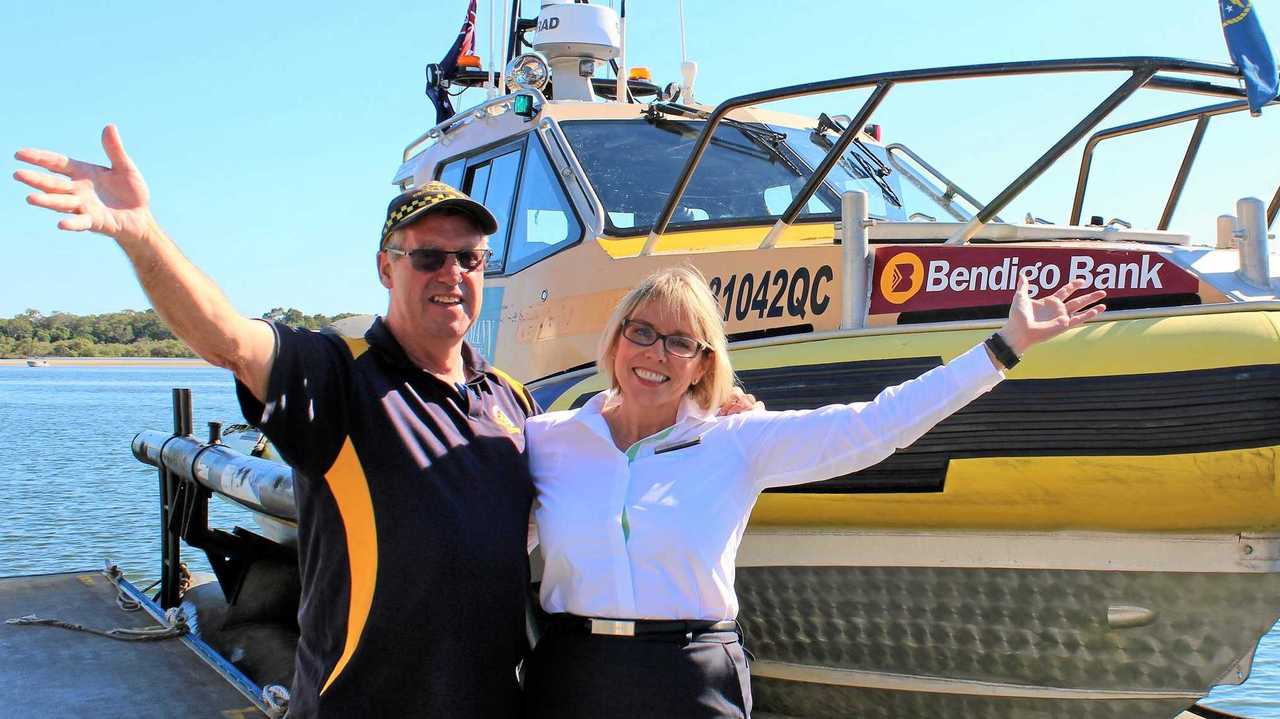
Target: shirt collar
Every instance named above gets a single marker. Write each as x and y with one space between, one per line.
381 339
591 413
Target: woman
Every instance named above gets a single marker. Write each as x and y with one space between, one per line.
643 495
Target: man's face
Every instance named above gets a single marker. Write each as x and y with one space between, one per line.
440 305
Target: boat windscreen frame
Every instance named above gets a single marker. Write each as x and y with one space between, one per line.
789 156
1201 116
1144 72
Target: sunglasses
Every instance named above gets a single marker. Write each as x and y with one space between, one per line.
430 260
676 345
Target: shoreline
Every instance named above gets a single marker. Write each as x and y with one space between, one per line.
110 362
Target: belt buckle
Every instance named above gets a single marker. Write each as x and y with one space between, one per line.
613 627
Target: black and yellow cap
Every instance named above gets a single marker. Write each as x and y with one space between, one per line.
412 205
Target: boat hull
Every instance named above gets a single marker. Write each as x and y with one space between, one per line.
1096 537
1000 625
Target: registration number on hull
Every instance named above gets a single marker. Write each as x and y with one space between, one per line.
799 292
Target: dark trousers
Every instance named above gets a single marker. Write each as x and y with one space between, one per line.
575 674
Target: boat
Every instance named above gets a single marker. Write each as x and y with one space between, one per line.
1099 536
32 362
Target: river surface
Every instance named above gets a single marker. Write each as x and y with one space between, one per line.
72 495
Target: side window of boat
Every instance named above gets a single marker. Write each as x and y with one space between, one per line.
490 178
452 173
492 182
543 222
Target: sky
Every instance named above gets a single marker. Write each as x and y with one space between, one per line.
269 131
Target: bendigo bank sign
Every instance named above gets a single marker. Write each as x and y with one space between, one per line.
931 278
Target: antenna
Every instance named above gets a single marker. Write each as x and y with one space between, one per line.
492 90
680 9
688 68
620 92
506 33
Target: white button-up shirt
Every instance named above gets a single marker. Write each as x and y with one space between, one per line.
653 532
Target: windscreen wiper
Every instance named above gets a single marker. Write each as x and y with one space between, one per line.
764 138
868 164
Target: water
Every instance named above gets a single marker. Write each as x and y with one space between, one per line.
71 493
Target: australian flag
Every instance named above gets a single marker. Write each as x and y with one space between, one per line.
1250 52
440 74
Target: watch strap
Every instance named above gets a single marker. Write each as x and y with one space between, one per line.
1003 352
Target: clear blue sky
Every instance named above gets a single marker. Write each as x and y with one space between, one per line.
269 132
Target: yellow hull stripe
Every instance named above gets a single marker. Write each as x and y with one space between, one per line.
729 238
1121 347
1233 491
350 491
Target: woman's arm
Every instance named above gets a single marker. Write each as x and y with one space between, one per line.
802 446
795 447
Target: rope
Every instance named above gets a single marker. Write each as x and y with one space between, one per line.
276 698
175 620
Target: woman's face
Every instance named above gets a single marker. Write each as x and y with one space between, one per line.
652 376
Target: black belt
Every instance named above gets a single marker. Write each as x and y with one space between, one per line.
639 627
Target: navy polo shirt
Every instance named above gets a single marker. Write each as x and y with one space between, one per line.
413 508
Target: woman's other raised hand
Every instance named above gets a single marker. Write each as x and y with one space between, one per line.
1032 321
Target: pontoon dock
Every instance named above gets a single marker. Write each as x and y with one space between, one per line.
47 671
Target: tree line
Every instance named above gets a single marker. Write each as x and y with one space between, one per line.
128 333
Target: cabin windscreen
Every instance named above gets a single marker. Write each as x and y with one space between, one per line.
749 174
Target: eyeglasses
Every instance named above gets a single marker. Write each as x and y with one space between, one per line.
431 260
676 345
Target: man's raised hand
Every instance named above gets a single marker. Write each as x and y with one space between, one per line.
111 200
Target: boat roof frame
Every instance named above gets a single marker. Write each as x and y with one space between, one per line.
1201 115
1145 71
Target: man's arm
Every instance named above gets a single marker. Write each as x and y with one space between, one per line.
114 201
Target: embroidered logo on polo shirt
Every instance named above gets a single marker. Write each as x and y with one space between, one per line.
504 421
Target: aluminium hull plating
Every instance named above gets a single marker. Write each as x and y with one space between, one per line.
1010 625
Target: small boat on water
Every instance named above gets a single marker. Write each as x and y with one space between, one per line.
37 363
1098 537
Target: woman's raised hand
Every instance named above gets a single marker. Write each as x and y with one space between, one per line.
109 200
1035 320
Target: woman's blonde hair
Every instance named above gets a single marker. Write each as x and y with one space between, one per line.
683 291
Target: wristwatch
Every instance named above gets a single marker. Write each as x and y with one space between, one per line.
1003 352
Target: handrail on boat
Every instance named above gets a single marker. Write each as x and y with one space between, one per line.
1201 115
950 189
471 113
1143 70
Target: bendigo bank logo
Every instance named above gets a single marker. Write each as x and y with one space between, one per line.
902 278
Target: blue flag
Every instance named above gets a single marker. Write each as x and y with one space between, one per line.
1250 52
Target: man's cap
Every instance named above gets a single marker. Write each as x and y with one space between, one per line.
413 205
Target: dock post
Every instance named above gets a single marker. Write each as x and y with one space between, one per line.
170 539
854 221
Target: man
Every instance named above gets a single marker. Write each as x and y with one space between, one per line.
412 488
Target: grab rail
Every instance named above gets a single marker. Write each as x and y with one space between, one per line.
1201 115
950 190
1143 71
472 113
